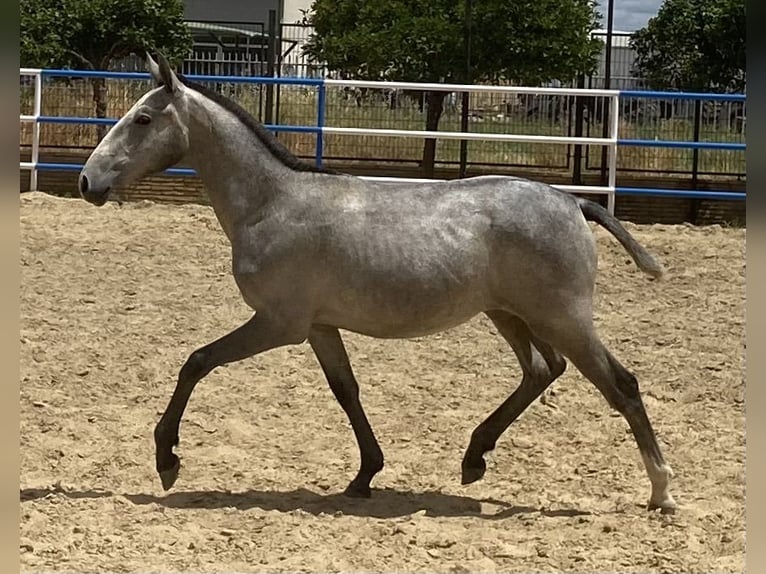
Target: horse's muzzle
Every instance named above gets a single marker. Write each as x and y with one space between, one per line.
96 197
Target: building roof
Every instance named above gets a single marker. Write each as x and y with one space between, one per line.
225 29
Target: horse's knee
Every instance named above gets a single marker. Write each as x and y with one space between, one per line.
195 367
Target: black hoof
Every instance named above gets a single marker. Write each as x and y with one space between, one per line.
169 475
473 471
663 508
356 490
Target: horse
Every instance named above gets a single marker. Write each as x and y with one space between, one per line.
315 251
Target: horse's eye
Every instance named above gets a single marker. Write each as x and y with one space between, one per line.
143 119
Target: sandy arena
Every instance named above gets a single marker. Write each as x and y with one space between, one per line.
114 299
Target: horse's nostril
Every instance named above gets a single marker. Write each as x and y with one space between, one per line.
83 184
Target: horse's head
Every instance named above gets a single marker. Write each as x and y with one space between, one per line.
152 136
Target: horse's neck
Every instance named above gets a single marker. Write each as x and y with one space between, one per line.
241 176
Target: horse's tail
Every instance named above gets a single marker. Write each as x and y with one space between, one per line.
594 212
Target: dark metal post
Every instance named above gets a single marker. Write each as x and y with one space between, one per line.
694 204
578 131
465 95
271 56
321 108
607 84
279 75
696 138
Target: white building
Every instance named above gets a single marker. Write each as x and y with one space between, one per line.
623 58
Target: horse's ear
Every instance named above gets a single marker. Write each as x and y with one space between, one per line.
168 77
154 68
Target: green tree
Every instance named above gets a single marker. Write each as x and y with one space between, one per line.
90 34
524 41
693 45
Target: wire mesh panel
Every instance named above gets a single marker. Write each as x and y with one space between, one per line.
297 106
26 107
227 49
74 97
292 61
675 119
488 112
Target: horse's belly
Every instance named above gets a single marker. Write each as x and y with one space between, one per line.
387 311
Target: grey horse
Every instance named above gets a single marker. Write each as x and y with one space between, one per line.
315 251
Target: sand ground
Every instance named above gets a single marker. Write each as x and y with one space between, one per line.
114 299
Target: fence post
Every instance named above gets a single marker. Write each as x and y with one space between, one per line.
465 95
607 84
278 73
464 102
696 138
271 66
694 204
321 103
579 118
612 155
37 111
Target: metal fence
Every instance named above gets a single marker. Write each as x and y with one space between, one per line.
321 128
292 61
553 114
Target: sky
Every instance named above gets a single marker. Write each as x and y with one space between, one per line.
630 15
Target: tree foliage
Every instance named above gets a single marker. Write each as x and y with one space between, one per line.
524 41
90 34
693 45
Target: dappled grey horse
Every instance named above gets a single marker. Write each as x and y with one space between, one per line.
315 251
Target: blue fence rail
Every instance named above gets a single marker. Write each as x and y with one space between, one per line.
318 129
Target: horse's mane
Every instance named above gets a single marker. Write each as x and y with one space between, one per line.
267 138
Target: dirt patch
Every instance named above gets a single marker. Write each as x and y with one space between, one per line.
114 299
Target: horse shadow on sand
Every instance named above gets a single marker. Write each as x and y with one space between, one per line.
384 503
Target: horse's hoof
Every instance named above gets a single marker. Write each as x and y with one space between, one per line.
168 476
473 473
355 490
667 506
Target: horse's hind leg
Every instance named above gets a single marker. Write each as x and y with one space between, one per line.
540 365
580 344
331 353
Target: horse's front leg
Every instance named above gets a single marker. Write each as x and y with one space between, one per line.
331 353
261 333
